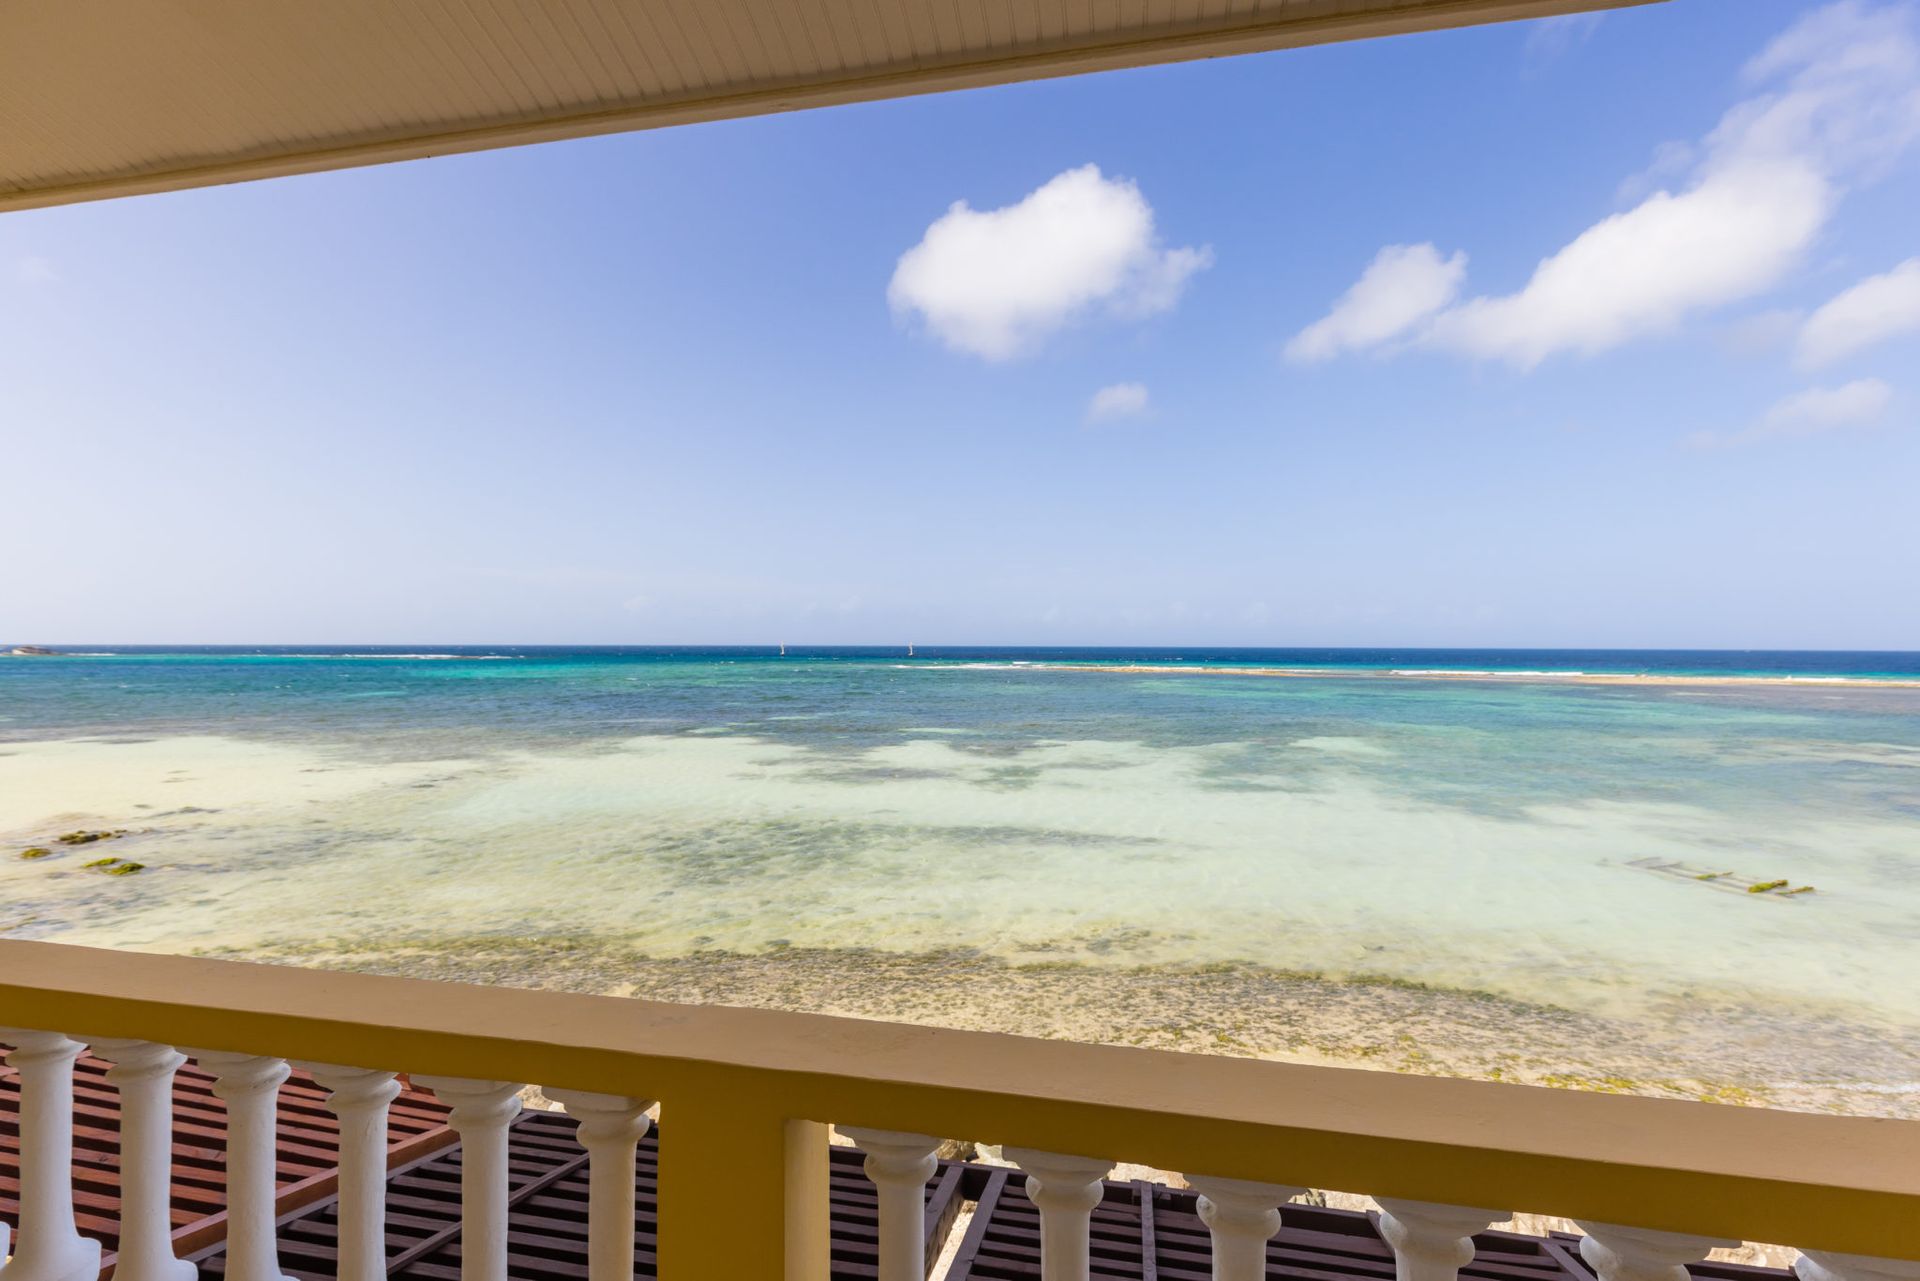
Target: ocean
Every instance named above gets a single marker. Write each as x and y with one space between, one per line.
1575 867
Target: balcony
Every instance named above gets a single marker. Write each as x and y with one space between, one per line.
746 1187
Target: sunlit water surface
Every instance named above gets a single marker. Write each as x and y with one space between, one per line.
1012 811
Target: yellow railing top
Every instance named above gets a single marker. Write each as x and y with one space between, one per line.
1838 1183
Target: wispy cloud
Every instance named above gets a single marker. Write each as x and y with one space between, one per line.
1878 308
549 575
1402 286
1121 400
1762 333
997 283
1672 161
1834 98
1550 39
32 269
1814 412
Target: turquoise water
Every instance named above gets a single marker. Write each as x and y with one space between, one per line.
1535 839
1489 747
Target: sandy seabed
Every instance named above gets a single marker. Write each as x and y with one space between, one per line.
1706 1053
591 873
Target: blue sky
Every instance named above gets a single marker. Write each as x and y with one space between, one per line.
1589 332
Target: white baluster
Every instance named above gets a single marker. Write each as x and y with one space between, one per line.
899 1165
611 1127
359 1097
1641 1254
1824 1265
482 1110
250 1087
50 1247
1432 1242
1242 1217
143 1074
1065 1188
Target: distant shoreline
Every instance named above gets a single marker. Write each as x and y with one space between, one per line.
1451 674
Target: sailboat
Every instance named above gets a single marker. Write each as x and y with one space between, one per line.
909 649
783 650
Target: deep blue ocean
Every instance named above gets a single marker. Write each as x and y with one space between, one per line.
554 690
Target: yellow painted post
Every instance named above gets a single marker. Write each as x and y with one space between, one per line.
808 1205
743 1192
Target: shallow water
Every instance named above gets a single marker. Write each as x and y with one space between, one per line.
662 806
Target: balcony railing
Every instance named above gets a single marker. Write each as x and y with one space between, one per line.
748 1096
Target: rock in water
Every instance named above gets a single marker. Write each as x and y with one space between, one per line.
85 838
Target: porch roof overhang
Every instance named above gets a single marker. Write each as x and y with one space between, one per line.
117 97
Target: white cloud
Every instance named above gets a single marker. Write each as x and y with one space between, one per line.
34 270
1821 409
1813 412
1872 311
1548 39
1762 333
1122 400
1837 96
1402 286
998 282
1671 160
1641 272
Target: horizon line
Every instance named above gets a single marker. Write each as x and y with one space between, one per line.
951 645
